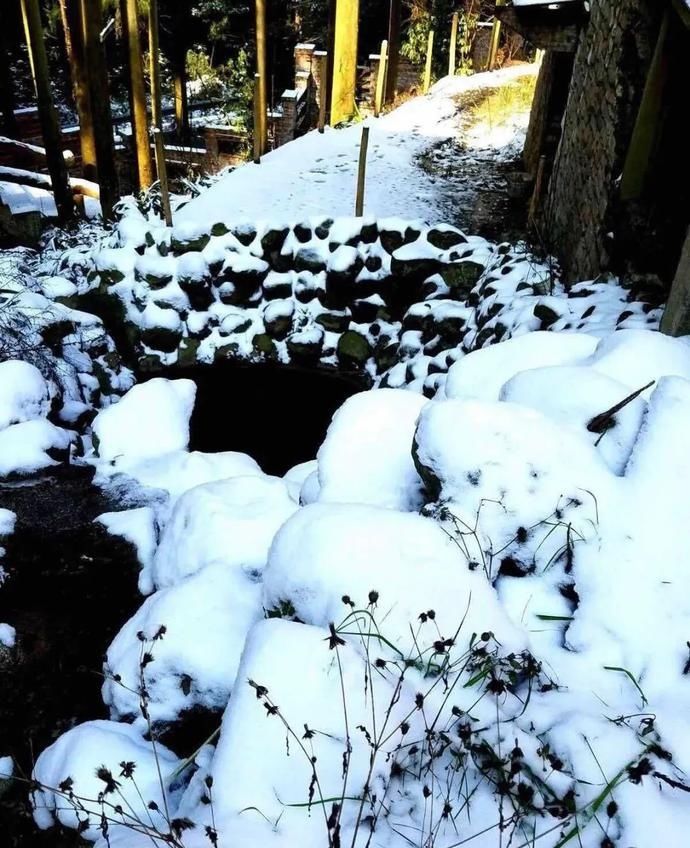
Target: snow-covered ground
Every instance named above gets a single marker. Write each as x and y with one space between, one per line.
317 173
465 622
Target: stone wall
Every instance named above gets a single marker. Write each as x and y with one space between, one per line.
610 68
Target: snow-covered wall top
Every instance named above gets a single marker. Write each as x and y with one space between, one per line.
392 301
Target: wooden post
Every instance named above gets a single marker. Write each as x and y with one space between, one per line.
323 89
99 96
344 81
427 67
676 318
50 127
649 115
257 120
140 118
159 146
493 45
381 78
362 172
158 141
393 50
453 44
537 192
260 93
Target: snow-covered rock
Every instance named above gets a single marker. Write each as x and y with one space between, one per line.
150 420
366 456
24 393
138 527
206 618
73 764
229 521
330 551
32 446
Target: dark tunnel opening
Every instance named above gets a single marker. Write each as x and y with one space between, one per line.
277 414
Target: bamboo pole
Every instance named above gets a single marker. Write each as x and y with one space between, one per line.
99 97
159 145
50 128
323 89
453 44
393 50
381 78
140 118
257 119
260 95
362 172
493 47
427 67
154 67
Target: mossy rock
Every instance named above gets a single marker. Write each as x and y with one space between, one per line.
158 281
104 380
228 328
219 229
110 276
186 352
149 239
245 234
150 364
304 351
353 350
161 338
226 352
186 245
324 229
53 334
273 240
264 346
308 259
385 356
277 291
462 277
546 315
303 232
198 290
334 322
445 237
373 263
278 327
415 268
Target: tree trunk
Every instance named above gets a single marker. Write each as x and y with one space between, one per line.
7 102
262 71
140 124
74 44
154 58
50 127
344 61
393 50
180 94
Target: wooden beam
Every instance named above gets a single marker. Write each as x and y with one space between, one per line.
547 29
676 317
156 111
50 128
493 46
648 119
362 173
344 84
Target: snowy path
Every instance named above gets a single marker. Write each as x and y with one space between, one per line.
316 173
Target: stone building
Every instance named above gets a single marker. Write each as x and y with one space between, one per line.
607 144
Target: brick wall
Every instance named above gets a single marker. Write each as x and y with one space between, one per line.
611 63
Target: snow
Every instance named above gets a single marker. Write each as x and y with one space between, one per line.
206 617
8 520
24 448
8 635
77 754
317 172
481 374
151 419
229 521
328 551
24 394
136 526
366 455
296 477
